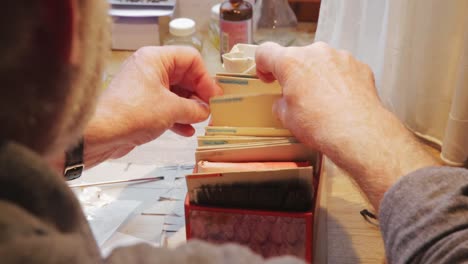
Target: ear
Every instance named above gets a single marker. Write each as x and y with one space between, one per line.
61 19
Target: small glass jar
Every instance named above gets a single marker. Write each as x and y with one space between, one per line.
183 33
213 31
277 23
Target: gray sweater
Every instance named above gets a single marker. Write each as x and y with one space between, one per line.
423 219
41 222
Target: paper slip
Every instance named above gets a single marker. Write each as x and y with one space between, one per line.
175 194
280 152
247 131
172 228
176 239
247 144
107 219
227 140
244 111
215 167
244 86
144 227
174 220
173 223
163 208
122 240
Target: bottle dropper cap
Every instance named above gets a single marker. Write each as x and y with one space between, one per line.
182 27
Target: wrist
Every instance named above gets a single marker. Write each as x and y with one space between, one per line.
377 152
74 164
104 139
56 162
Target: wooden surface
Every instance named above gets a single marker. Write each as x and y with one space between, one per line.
350 238
343 235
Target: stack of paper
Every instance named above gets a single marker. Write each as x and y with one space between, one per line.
247 147
243 127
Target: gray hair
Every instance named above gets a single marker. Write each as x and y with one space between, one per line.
42 95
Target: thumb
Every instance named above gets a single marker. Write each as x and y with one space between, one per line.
266 57
190 110
279 110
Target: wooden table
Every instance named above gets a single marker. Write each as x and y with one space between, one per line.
343 235
349 238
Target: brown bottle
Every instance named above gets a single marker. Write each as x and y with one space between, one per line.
235 24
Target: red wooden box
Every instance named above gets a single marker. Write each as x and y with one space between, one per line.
268 233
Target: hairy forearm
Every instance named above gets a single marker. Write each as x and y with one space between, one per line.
399 153
101 142
94 153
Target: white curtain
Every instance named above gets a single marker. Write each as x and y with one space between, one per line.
418 50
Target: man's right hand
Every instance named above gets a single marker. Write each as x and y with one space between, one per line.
330 103
325 91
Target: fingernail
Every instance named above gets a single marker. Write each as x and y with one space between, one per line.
279 109
200 102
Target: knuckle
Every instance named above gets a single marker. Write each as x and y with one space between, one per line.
288 60
367 71
288 63
293 55
370 73
144 53
323 49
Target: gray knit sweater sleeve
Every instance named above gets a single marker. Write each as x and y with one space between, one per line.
194 252
424 217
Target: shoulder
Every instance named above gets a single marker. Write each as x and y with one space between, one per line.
194 252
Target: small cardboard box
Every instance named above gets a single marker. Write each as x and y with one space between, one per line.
135 26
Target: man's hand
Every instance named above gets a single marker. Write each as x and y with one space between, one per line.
325 91
330 103
157 88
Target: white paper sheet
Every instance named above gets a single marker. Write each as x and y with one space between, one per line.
107 219
122 240
163 208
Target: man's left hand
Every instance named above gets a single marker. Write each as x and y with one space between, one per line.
157 88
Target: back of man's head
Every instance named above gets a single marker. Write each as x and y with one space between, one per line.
44 92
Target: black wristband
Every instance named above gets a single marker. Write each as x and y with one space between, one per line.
74 164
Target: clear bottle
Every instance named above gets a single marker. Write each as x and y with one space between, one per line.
277 23
213 31
183 33
235 23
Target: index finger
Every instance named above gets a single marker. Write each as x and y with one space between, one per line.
266 57
184 67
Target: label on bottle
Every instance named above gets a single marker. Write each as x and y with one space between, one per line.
234 32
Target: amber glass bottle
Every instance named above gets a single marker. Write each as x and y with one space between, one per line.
235 24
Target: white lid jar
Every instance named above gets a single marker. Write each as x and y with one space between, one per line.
183 33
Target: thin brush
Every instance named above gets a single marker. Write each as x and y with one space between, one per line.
158 178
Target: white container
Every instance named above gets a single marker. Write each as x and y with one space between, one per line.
134 27
134 33
183 33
